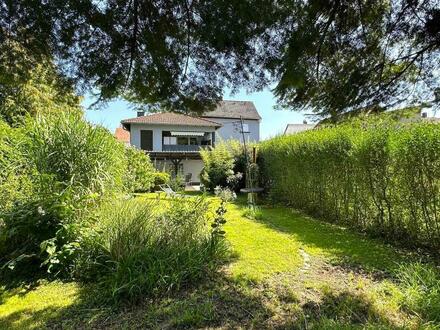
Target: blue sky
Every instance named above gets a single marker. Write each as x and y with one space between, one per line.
273 122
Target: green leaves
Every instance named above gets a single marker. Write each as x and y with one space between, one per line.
380 177
330 57
140 175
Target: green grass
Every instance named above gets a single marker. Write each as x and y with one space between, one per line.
261 250
336 243
31 309
287 271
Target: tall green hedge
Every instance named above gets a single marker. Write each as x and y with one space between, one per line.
378 177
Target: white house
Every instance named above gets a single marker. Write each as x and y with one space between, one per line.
173 140
298 128
231 114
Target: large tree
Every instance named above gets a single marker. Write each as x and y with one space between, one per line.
327 56
31 84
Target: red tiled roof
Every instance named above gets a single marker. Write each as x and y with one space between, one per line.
122 135
170 118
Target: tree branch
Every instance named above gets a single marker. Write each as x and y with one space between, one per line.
326 27
133 46
188 39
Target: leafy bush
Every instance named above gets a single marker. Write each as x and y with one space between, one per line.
140 171
225 166
74 164
218 165
382 177
161 178
253 212
140 248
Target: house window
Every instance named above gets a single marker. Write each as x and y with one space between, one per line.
169 140
245 128
193 141
182 140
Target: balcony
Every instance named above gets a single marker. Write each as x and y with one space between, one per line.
183 148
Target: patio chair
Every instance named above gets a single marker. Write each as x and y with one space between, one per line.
169 191
188 178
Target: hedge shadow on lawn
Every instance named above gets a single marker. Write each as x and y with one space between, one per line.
344 246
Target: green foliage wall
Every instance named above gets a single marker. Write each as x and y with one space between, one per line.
380 177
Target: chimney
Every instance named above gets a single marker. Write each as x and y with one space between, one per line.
141 113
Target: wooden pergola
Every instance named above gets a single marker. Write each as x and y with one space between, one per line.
175 157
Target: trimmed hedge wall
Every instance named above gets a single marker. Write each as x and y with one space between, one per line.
378 177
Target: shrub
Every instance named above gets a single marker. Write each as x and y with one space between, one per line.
75 164
218 165
381 177
140 175
161 178
253 212
141 248
225 166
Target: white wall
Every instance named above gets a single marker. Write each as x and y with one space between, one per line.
231 129
135 133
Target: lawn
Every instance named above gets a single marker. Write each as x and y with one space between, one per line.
286 271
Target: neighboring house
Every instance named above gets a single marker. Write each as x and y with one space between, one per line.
297 128
173 140
122 135
230 114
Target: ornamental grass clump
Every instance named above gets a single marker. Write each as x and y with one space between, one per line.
139 248
420 284
70 166
381 177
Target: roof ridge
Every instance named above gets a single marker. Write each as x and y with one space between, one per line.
172 118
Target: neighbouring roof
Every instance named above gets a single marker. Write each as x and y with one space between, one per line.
170 118
122 135
296 128
235 110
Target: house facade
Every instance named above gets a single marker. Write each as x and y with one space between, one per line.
173 141
232 115
298 128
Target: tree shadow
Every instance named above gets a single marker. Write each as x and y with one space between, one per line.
29 319
217 301
344 247
336 310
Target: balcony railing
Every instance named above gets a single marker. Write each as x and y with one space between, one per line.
180 147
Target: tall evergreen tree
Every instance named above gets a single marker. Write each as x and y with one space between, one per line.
328 56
